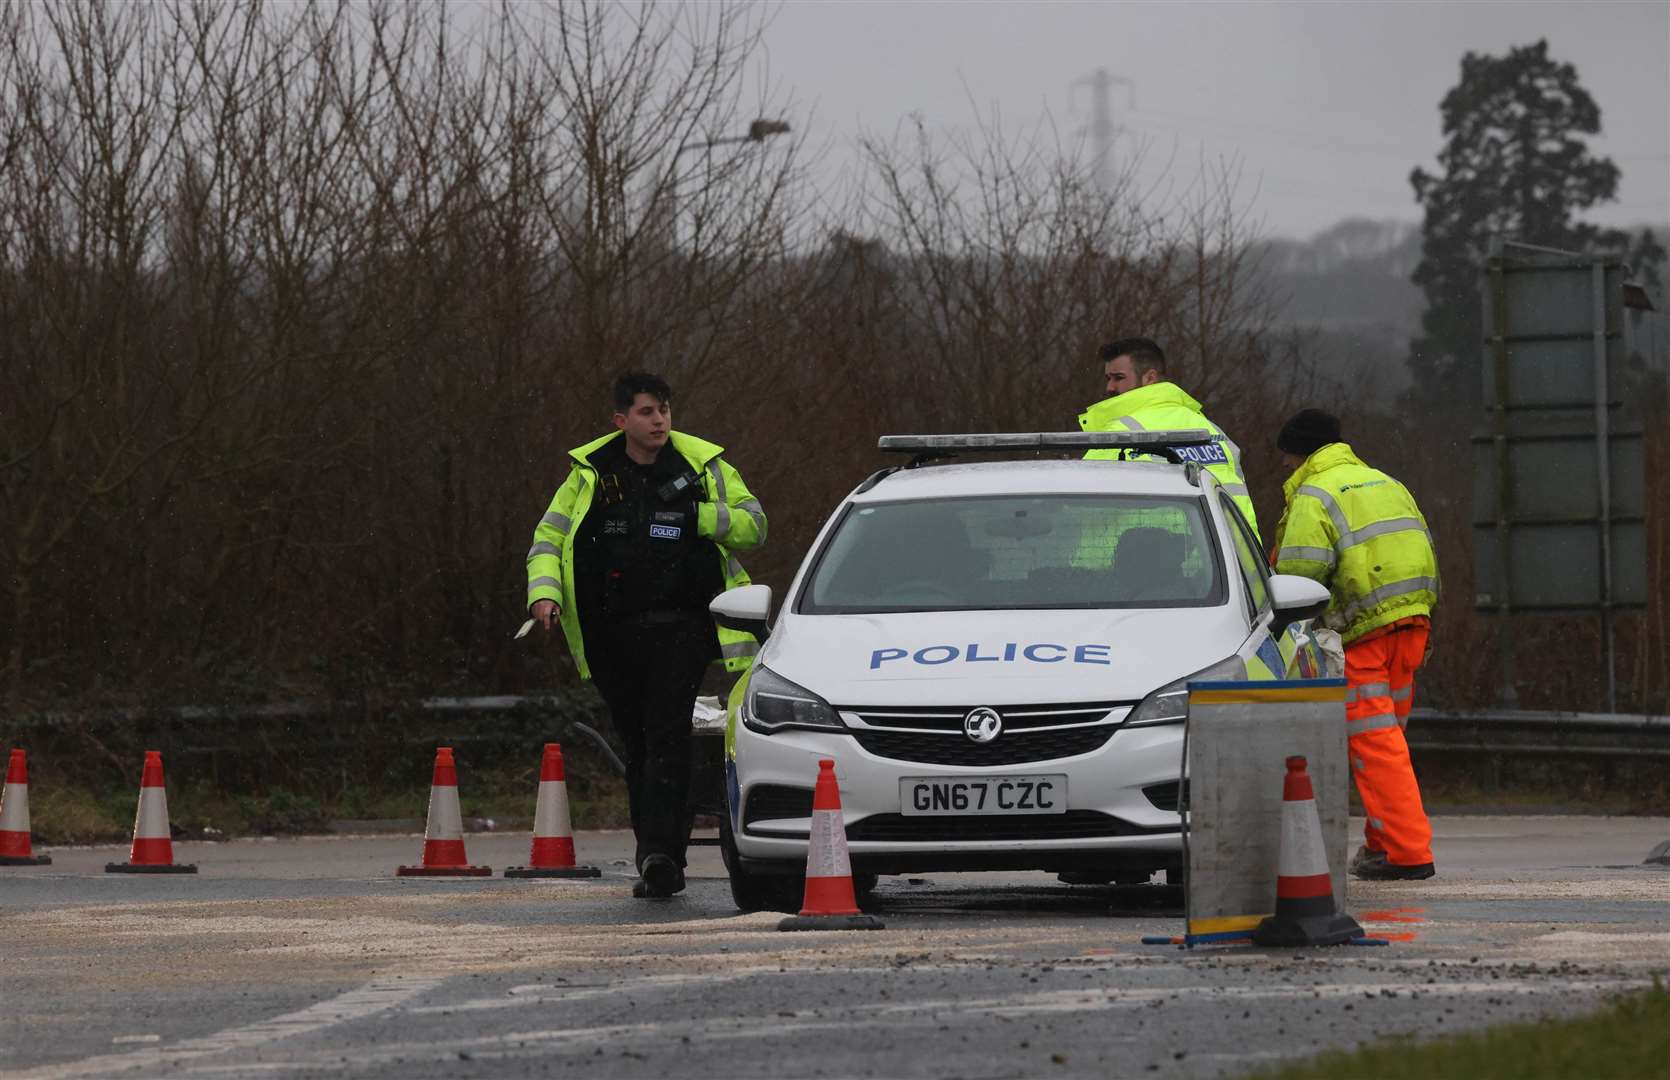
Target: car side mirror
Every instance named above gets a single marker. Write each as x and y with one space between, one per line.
746 608
1295 599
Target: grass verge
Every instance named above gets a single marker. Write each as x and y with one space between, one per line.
1629 1038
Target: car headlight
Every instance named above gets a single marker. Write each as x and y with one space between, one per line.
1170 703
775 704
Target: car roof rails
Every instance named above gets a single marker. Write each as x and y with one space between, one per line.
875 478
932 447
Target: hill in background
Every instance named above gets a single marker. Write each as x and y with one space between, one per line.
1353 274
1347 291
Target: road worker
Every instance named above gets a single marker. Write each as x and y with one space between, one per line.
1358 531
1141 399
636 542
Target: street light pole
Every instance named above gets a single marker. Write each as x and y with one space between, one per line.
758 131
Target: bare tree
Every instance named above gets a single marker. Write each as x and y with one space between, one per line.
295 302
302 306
1014 264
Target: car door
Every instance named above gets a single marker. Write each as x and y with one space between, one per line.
1268 659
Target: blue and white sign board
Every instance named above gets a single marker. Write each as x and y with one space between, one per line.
1237 740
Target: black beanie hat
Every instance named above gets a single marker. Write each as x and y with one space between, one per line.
1309 431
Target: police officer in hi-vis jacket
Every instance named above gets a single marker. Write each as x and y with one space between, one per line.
636 542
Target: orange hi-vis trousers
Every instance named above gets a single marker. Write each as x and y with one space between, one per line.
1381 673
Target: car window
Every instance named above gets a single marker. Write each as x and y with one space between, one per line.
1034 551
1253 570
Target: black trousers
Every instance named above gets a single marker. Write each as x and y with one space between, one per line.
648 670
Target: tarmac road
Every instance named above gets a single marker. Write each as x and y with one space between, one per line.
307 957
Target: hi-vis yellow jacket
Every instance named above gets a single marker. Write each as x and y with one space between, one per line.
1357 531
728 514
1164 406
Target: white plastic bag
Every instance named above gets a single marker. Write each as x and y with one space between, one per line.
1332 648
707 715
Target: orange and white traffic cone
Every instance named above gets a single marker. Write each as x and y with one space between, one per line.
153 844
443 833
1305 911
553 836
830 902
15 847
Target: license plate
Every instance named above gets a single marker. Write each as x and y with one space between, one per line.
940 795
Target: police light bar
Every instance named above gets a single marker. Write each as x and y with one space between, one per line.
1151 441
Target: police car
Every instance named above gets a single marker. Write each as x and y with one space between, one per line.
995 654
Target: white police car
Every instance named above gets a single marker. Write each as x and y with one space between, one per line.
995 655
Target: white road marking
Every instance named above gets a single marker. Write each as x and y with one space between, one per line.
520 997
1626 937
573 1040
354 1005
1620 888
531 995
554 993
120 1039
1087 1000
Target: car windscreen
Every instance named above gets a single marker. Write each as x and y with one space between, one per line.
1021 551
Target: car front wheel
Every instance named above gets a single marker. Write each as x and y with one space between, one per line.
754 891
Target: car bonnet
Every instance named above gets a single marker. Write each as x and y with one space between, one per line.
998 657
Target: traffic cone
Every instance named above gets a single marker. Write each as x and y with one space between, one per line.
830 902
153 845
14 817
443 834
553 836
1305 912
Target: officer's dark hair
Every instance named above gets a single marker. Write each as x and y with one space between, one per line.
633 383
1308 431
1145 355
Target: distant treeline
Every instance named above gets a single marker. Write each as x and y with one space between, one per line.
302 307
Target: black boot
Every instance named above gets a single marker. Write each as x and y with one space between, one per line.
1381 870
661 877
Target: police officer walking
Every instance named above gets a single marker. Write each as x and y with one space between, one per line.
1141 399
636 542
1358 531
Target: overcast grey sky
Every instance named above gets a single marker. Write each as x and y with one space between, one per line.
1327 105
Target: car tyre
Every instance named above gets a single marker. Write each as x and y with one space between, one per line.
753 891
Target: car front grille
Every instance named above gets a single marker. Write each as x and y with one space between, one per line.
949 718
1073 825
1031 732
1009 748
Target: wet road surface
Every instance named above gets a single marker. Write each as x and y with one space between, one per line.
307 957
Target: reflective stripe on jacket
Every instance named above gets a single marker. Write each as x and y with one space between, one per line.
1357 531
728 515
1163 406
